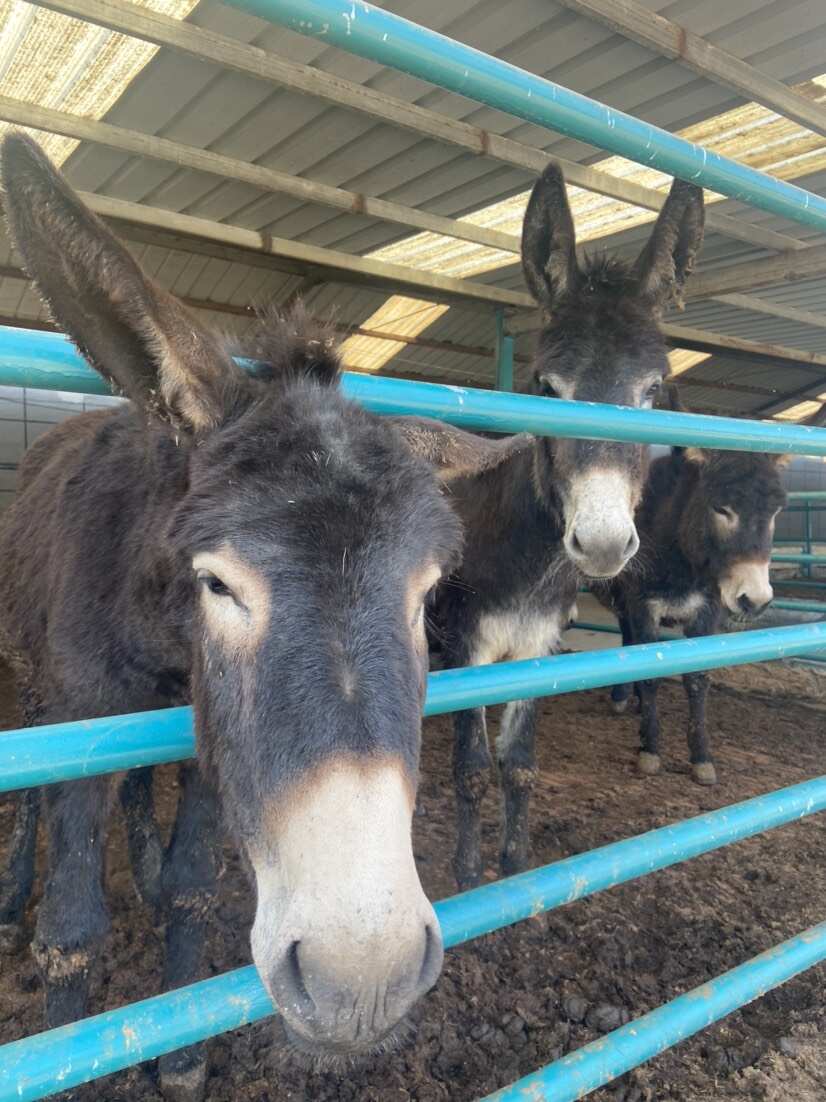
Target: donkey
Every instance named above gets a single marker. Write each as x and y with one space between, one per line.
554 510
706 524
263 548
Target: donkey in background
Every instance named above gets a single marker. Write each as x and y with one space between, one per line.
552 511
706 524
263 548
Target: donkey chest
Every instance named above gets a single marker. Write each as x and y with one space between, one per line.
675 610
518 633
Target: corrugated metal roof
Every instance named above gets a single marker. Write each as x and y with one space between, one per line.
198 104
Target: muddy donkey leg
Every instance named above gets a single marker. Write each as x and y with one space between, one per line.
643 630
515 750
471 776
620 693
702 767
143 839
17 878
188 890
73 918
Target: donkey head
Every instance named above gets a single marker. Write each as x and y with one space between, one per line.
302 543
602 343
727 525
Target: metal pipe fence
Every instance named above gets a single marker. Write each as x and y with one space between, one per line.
48 360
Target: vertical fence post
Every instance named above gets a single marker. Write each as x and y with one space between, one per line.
504 354
807 520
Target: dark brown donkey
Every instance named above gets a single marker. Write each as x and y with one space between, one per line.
706 524
555 510
261 547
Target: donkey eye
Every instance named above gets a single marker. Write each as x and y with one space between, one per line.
653 390
724 511
213 584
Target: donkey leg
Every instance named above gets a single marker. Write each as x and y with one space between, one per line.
619 698
17 878
702 767
188 887
471 776
143 838
73 917
648 761
620 694
515 750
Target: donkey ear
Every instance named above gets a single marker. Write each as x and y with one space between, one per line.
455 453
668 259
549 241
136 335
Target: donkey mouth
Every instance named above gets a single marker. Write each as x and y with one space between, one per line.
337 1055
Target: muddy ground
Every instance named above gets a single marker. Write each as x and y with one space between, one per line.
513 1001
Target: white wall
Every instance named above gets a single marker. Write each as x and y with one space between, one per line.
26 414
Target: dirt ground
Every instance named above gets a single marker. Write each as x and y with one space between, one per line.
515 1000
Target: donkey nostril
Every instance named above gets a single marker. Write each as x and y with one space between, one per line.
631 546
745 603
576 545
433 958
291 982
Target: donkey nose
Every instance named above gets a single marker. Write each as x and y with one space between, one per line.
329 1007
601 551
750 607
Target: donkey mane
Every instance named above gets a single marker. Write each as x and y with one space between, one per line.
288 346
601 272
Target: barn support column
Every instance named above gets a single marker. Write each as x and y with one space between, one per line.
504 354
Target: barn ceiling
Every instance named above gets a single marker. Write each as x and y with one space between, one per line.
164 93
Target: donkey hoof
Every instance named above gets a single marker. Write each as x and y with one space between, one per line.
619 707
704 772
183 1076
11 937
649 764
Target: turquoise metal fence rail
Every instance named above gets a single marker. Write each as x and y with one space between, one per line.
66 1057
48 360
377 34
68 751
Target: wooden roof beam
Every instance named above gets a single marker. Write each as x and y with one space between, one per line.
20 113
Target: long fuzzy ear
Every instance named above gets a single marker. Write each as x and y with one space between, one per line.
549 258
139 337
453 452
668 257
